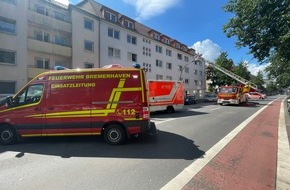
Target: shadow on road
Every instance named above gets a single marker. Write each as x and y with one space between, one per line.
163 146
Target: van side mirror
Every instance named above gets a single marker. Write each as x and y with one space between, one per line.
9 101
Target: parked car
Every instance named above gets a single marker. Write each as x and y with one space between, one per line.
188 100
263 95
210 98
255 95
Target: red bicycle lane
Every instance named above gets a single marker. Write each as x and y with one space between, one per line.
248 161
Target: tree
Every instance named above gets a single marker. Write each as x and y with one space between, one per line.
279 69
242 71
263 26
218 78
259 81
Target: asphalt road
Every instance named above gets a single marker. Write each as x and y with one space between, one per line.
143 163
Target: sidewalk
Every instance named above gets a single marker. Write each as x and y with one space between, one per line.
251 159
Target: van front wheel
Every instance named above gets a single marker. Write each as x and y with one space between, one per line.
114 134
8 135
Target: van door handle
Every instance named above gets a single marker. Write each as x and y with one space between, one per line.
50 108
37 109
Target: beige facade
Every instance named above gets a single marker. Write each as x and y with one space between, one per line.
37 35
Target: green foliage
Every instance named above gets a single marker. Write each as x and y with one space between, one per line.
262 25
242 71
258 80
218 78
280 70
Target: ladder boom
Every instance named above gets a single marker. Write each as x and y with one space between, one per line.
233 75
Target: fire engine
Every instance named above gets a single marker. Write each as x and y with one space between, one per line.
111 102
233 94
166 95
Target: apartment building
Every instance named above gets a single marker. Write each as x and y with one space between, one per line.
36 35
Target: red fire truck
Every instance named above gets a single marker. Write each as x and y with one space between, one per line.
233 94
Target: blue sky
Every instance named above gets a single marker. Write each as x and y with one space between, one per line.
195 23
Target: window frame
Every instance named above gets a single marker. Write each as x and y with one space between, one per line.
7 26
114 33
88 42
12 53
90 22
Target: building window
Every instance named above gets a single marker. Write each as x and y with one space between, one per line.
195 72
158 49
89 46
113 33
168 66
88 24
158 63
131 39
116 53
166 41
7 25
7 87
59 40
200 73
41 36
60 63
129 24
10 1
41 9
59 16
7 57
195 82
179 56
132 57
42 63
89 65
159 77
186 59
186 81
168 52
156 36
186 69
168 77
110 16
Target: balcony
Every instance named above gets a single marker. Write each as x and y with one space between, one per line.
33 72
49 48
48 21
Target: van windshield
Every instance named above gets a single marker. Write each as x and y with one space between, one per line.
228 90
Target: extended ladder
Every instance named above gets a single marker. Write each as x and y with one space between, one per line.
234 76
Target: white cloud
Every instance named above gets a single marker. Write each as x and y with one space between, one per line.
255 68
149 8
209 50
65 2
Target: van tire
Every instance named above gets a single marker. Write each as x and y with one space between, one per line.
114 134
169 109
8 135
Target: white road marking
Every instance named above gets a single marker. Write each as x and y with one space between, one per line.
155 120
283 153
188 173
215 108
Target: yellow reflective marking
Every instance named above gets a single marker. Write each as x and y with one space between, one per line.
110 108
60 134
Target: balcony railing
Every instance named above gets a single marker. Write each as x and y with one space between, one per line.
49 48
48 21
